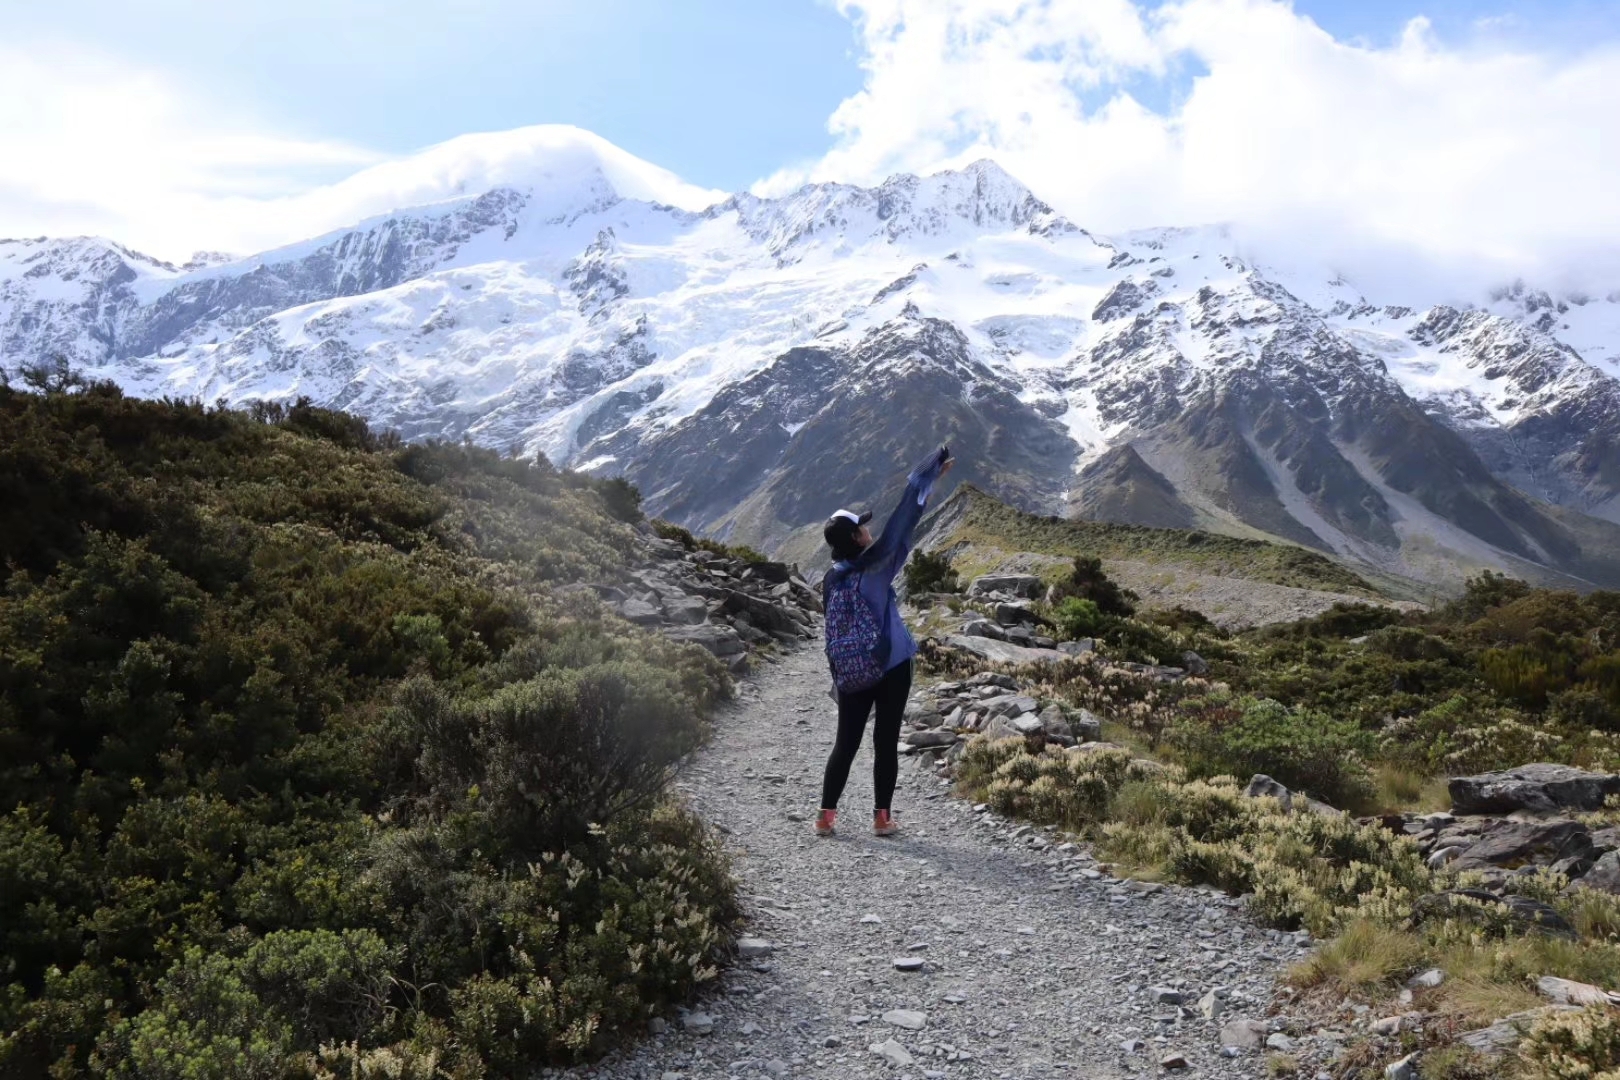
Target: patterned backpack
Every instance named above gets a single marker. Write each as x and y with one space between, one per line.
856 642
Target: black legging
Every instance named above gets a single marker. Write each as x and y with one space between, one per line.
889 695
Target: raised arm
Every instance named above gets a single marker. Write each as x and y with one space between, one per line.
888 552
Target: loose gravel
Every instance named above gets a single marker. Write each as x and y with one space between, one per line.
968 946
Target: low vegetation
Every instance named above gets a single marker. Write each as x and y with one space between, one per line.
306 770
1367 709
987 523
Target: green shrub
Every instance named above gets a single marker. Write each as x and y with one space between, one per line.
930 572
1076 617
1088 581
1304 750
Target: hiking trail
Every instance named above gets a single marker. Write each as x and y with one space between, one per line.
1034 964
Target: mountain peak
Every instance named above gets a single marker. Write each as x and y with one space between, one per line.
564 169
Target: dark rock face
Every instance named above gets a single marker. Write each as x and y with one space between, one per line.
1532 916
1511 844
1541 788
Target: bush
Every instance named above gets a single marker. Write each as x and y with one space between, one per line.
930 572
1088 581
303 766
1304 750
1077 618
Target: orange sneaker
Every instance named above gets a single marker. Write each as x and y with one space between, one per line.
824 822
883 823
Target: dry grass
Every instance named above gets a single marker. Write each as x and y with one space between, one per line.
1404 790
1365 958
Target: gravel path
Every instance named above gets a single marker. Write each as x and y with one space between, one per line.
1033 964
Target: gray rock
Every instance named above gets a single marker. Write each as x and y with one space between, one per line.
1086 725
1388 1025
1504 1035
893 1052
1569 992
1281 1043
751 948
720 640
1195 664
1604 875
1532 915
910 1019
1404 1069
1165 995
908 963
1427 980
984 628
689 610
640 612
932 737
1245 1034
1174 1061
1021 635
1028 724
1053 722
1515 843
698 1023
1541 787
1002 652
1210 1006
1025 585
1262 786
1078 647
1015 615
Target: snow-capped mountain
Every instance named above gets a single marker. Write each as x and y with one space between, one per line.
751 362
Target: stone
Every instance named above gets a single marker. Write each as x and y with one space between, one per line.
776 1067
1086 725
1027 586
1165 995
1210 1006
1001 652
1541 787
1133 1046
1504 1035
689 610
1281 1043
1262 786
870 920
984 628
1244 1034
1053 722
1427 980
1531 915
1173 1061
908 963
1028 724
1569 992
698 1023
640 612
1195 664
720 640
657 1026
1404 1069
931 737
1002 728
1015 615
893 1052
1515 843
1078 647
750 948
1604 875
910 1019
1021 635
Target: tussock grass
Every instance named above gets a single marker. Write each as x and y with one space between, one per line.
1365 958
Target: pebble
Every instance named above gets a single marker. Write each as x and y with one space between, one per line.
906 1018
893 1051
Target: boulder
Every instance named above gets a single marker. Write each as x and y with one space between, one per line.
1604 875
1532 916
762 613
930 737
1195 664
774 572
1511 844
640 612
1028 724
719 640
984 628
1002 652
1541 788
689 610
1053 722
1021 635
1504 1035
1570 992
1026 585
1079 647
1000 727
1015 615
1086 725
1262 786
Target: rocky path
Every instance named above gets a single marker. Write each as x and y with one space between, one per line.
966 947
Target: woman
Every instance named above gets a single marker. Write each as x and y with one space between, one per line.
870 566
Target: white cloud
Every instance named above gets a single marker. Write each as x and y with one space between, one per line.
90 145
1417 161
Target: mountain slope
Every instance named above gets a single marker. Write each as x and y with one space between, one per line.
752 362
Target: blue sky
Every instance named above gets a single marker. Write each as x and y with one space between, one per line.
722 92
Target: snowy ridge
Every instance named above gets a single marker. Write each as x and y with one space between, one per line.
545 289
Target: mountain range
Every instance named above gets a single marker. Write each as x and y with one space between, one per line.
752 363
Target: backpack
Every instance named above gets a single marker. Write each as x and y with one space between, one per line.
857 643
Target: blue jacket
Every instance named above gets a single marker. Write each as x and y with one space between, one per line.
880 562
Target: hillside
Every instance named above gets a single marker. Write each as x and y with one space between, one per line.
312 767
